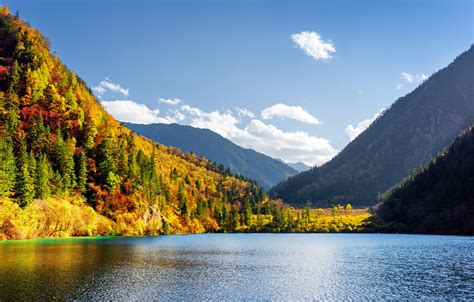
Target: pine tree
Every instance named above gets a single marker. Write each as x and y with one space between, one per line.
184 206
247 215
7 167
81 172
107 165
63 155
25 187
201 208
234 219
43 175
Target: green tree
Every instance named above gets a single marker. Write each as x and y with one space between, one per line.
247 214
184 205
279 219
63 159
43 175
234 219
25 186
81 172
7 167
107 165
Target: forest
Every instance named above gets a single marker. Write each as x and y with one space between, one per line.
69 169
438 198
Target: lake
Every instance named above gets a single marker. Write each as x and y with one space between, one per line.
239 267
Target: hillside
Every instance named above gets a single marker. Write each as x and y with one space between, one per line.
69 168
407 135
439 198
299 166
247 162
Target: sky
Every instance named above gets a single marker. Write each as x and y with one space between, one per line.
296 80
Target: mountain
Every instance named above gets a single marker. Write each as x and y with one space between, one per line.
299 166
439 198
407 135
246 162
69 168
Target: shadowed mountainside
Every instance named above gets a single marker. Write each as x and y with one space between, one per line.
407 135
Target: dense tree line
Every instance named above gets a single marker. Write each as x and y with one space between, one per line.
439 198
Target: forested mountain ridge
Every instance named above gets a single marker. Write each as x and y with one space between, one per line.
69 168
265 170
437 199
407 135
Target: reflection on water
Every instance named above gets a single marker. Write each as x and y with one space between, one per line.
239 267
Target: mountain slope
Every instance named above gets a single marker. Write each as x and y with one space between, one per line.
299 166
439 198
407 135
68 168
246 162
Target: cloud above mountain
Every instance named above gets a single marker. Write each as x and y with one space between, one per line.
354 131
291 146
409 79
292 112
132 112
107 85
313 45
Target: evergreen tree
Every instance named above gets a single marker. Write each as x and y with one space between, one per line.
247 215
43 175
202 207
81 172
184 206
7 167
63 155
234 219
25 187
107 165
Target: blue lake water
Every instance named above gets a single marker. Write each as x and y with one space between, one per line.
240 267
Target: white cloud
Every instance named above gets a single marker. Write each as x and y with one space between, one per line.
171 102
411 79
422 77
313 45
132 112
359 91
295 146
244 112
407 77
353 132
292 112
106 85
265 138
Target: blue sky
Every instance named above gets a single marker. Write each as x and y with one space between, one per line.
236 66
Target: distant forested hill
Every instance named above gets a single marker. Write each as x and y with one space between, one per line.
406 136
265 170
439 198
299 166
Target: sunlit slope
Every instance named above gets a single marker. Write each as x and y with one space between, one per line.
57 141
265 170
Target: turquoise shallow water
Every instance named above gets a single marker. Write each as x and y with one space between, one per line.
240 267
